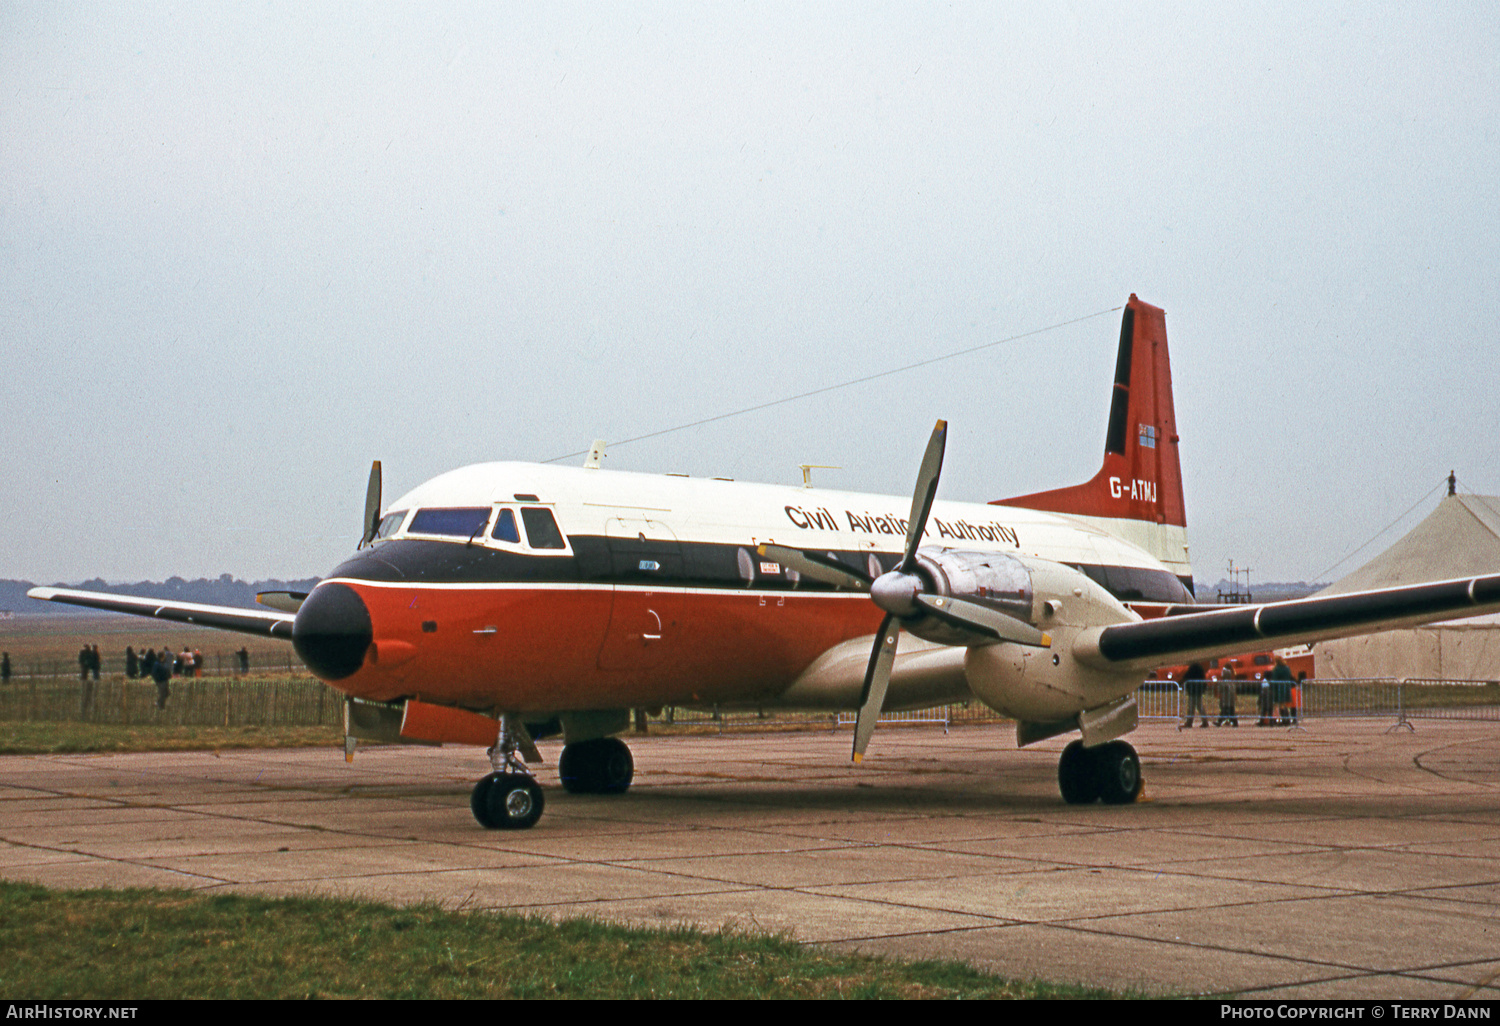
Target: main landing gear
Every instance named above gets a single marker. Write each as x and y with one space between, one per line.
600 766
510 798
1110 772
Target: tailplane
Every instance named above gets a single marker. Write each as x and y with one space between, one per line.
1137 493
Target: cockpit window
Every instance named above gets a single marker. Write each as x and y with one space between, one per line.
541 529
390 523
505 527
460 522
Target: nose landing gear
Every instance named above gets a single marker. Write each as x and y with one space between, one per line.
509 798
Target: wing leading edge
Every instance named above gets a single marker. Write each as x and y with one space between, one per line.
1197 635
246 621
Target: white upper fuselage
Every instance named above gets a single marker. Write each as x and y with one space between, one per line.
609 503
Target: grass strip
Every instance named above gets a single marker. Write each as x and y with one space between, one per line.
57 738
145 944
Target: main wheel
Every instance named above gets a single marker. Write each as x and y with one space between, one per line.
507 801
1118 770
1076 776
602 765
479 801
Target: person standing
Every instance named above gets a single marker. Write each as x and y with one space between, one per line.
85 666
132 667
161 673
1281 692
1193 683
1227 686
5 668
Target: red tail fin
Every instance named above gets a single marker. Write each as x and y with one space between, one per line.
1141 478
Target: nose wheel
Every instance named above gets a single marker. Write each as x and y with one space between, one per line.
1110 773
509 798
507 801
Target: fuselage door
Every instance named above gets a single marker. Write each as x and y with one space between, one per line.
646 566
642 550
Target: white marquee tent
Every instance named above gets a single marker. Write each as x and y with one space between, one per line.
1461 538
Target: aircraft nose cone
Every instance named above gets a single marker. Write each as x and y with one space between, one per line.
332 631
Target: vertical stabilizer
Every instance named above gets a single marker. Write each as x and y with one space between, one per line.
1137 493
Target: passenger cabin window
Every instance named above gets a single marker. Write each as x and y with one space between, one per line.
389 524
541 529
505 527
458 522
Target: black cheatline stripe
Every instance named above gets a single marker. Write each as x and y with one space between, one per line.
708 565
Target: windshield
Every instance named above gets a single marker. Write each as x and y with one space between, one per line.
389 523
460 522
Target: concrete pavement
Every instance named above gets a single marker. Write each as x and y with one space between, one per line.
1340 861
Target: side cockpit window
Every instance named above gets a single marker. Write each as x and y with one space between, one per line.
505 527
389 524
541 529
453 522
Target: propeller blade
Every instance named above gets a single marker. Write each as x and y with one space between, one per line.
877 678
972 616
925 492
282 601
819 568
372 506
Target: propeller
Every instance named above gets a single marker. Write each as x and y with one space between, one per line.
902 595
372 506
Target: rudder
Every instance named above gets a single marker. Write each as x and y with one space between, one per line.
1140 480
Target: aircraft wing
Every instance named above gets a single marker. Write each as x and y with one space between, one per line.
1200 635
246 621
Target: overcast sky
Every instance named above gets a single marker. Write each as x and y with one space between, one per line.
245 249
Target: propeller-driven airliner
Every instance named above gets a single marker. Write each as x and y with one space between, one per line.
500 602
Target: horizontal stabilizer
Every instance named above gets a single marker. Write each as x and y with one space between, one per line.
1176 639
246 621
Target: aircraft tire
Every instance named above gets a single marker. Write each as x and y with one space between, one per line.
479 799
1118 771
1077 775
507 801
602 765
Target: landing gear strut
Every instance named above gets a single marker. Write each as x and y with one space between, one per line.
1110 772
509 798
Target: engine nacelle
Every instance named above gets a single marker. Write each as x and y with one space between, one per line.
1050 685
994 579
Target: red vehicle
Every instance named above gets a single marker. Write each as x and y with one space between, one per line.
1251 666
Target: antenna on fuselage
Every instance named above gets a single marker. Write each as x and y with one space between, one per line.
808 468
595 456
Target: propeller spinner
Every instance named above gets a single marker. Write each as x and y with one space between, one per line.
903 594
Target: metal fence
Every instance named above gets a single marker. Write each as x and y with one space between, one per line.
304 701
216 664
1401 699
196 702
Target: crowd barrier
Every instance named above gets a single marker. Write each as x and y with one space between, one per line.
304 701
1400 699
196 702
